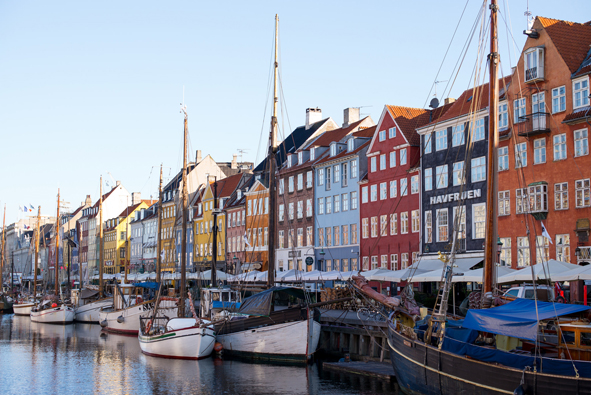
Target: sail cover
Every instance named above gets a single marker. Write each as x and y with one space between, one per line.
518 318
260 304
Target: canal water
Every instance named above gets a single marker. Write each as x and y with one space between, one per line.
76 359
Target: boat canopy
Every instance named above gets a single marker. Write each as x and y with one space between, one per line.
260 304
518 318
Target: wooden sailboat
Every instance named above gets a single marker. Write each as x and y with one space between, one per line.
54 310
181 338
25 306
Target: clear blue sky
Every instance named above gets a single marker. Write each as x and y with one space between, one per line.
88 88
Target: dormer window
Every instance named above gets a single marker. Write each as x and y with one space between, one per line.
333 149
312 153
351 144
289 161
533 63
239 194
300 157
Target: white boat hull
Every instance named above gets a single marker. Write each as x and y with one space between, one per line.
288 341
23 308
127 321
90 312
57 315
185 343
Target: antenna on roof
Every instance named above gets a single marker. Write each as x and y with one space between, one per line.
435 83
241 151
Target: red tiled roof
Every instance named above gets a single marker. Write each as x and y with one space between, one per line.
366 132
335 135
409 119
579 113
571 39
328 158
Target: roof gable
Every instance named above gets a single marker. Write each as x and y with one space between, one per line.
571 40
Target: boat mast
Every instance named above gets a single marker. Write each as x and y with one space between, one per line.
3 245
493 142
57 245
101 256
272 165
159 241
36 255
214 273
185 217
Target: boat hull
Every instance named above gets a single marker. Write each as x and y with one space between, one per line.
23 308
90 312
58 315
422 369
186 343
127 321
289 341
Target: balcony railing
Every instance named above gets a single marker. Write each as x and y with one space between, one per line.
531 74
533 124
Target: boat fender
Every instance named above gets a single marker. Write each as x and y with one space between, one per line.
218 347
54 305
120 319
519 390
139 300
104 323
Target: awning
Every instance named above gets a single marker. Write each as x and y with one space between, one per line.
578 273
542 271
475 276
518 318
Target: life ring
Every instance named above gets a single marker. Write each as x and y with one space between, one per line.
139 300
148 326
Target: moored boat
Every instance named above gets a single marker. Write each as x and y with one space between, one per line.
49 312
23 308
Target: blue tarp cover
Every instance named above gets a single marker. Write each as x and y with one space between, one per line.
518 318
216 304
149 285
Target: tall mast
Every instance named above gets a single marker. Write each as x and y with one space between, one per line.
36 255
184 219
3 245
215 235
272 165
101 252
57 245
159 241
493 142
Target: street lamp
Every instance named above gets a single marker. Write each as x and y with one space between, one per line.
322 253
499 247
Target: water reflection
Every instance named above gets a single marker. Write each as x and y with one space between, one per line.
49 359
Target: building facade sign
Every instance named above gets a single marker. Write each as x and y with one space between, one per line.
451 197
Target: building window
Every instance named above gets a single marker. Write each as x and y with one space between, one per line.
281 188
364 195
384 225
383 191
345 265
539 151
374 193
328 204
428 227
374 262
309 179
441 174
300 239
505 251
300 181
542 249
383 162
393 189
403 187
561 196
560 147
581 142
365 228
478 130
291 211
414 184
519 110
365 263
374 226
427 143
428 179
337 203
479 169
479 220
328 233
441 217
503 158
538 198
520 155
354 168
558 99
354 200
404 223
504 203
308 208
533 63
582 193
333 149
290 184
300 209
350 144
441 140
416 221
403 260
345 199
382 135
373 166
521 201
403 156
281 239
337 173
384 261
581 93
392 132
320 176
345 229
460 222
281 212
320 206
563 248
353 233
394 262
503 116
393 159
393 224
289 161
345 171
309 236
327 178
458 176
457 136
321 237
290 239
523 252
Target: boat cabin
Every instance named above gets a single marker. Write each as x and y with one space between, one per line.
126 295
575 339
216 300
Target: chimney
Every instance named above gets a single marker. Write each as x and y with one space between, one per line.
118 183
313 115
136 198
234 164
350 115
449 100
88 201
198 157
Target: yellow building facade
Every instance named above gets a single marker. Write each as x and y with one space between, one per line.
203 231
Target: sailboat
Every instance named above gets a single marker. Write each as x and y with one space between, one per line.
25 303
441 355
53 310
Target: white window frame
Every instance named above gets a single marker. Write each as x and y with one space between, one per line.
414 184
559 144
580 92
457 135
382 135
503 116
415 221
559 99
427 143
581 138
519 110
478 169
504 203
561 196
320 177
403 157
539 151
582 192
479 130
520 155
373 164
392 159
428 179
442 219
478 224
364 194
392 132
428 227
403 187
458 175
441 140
441 177
383 162
383 191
